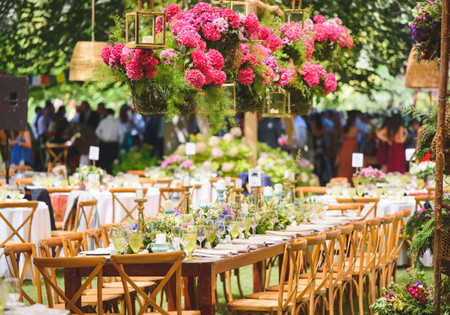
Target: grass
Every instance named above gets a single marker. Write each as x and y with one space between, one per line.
246 283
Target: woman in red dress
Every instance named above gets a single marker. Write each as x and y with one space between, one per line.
395 135
348 147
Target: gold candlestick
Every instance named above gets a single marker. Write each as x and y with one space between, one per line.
227 194
287 186
293 191
257 197
238 192
187 194
140 208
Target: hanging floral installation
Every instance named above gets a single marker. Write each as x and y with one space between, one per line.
208 47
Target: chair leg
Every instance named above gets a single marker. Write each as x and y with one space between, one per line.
360 296
331 294
350 298
238 278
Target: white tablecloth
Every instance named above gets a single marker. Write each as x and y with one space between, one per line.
40 227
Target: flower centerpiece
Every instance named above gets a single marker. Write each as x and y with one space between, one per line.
423 169
178 163
414 298
84 172
370 174
426 29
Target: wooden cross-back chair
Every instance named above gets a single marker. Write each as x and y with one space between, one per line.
345 207
421 200
363 200
167 193
401 239
20 182
302 192
25 252
338 180
140 173
124 262
146 182
22 168
60 190
89 303
116 192
162 182
86 213
57 155
284 299
14 229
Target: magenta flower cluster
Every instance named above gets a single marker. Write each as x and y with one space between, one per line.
207 69
137 63
371 173
176 159
331 30
418 291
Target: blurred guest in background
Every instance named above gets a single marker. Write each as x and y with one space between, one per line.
110 135
395 135
21 147
349 146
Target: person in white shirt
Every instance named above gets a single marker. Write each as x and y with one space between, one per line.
110 135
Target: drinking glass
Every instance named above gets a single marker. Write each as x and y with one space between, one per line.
4 292
273 218
118 239
201 234
190 240
3 195
254 223
420 183
14 291
14 194
135 240
177 237
360 190
336 190
221 228
210 232
351 192
234 229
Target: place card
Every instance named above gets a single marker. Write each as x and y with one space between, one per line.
357 160
94 153
254 177
190 148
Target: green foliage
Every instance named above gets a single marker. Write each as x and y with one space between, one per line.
220 102
136 159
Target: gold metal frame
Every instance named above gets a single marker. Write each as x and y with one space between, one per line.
230 4
295 11
286 104
137 15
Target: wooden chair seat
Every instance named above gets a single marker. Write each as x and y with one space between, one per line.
273 295
119 285
255 305
59 225
106 292
301 287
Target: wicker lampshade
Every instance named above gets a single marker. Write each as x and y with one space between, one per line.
423 75
85 59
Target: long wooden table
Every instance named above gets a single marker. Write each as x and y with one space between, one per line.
204 269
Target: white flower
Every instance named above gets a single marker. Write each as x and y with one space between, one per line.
227 167
181 150
228 137
213 141
217 153
200 148
232 152
236 131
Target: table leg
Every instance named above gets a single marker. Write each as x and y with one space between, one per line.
258 276
72 283
206 285
189 293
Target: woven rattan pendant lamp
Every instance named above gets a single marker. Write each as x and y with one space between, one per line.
423 75
86 55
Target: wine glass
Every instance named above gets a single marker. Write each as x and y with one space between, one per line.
273 218
4 292
135 240
118 239
14 194
210 232
221 228
254 223
234 229
190 240
3 195
351 192
201 234
21 193
360 190
177 237
14 291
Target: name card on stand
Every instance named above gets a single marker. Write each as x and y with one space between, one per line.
190 148
94 153
254 177
409 154
357 160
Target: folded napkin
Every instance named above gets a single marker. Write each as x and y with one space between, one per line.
212 253
319 227
270 239
253 243
337 221
302 230
240 248
288 234
99 252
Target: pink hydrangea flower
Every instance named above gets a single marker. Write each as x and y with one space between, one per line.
134 69
286 76
105 54
171 10
194 78
221 25
189 37
319 19
251 23
309 48
264 32
201 7
330 86
216 59
219 77
168 53
200 60
187 164
246 76
116 53
312 73
273 42
210 32
231 17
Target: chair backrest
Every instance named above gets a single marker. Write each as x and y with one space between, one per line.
14 254
20 182
422 199
140 173
314 190
345 207
294 253
75 242
57 155
370 244
86 211
53 247
96 238
386 237
44 265
339 180
363 200
162 182
15 227
129 213
167 193
125 262
60 190
146 182
347 248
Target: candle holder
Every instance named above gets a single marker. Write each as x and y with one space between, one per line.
257 198
267 197
239 192
278 194
287 187
293 190
140 208
220 195
227 194
187 194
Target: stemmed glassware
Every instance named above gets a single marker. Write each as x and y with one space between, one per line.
177 237
4 292
201 234
221 228
254 223
135 240
13 288
210 232
119 238
190 240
